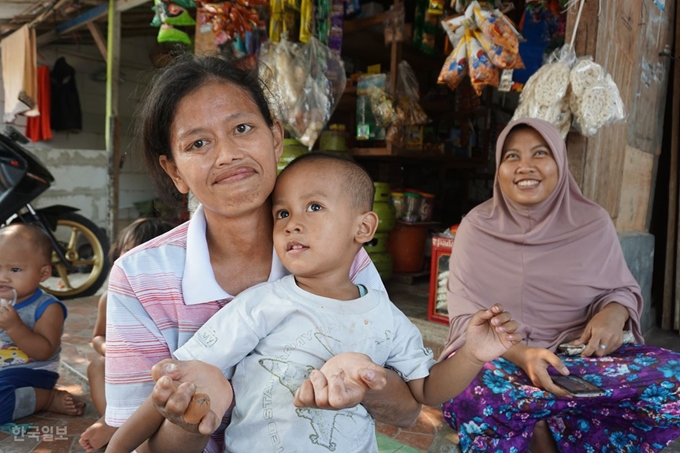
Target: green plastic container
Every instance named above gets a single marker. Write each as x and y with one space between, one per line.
377 244
383 263
382 192
332 141
291 149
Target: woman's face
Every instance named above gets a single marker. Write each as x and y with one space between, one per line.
223 151
528 172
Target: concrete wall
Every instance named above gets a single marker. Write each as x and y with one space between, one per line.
79 160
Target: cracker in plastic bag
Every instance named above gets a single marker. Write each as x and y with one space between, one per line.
599 105
455 67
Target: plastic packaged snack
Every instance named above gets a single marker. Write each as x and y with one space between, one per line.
455 67
381 106
600 104
482 72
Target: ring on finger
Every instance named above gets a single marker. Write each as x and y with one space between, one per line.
603 346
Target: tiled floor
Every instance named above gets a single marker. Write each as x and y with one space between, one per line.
429 434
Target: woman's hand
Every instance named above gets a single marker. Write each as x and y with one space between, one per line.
176 383
604 332
490 333
535 363
342 382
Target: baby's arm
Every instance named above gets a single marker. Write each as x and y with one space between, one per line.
141 425
41 342
490 333
99 332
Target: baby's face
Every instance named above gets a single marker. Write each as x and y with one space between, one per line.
315 221
21 268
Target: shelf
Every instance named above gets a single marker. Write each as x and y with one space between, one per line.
362 23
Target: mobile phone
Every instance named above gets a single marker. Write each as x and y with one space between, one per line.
578 386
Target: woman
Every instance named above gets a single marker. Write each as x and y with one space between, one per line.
553 259
207 128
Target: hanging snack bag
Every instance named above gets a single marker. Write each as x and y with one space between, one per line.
596 100
408 95
496 29
482 72
455 67
381 106
501 57
546 94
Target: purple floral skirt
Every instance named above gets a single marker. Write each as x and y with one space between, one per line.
640 411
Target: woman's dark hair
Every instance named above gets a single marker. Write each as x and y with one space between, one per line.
168 87
137 233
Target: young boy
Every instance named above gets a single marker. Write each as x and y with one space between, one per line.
31 329
271 337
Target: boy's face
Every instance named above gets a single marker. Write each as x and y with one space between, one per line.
21 268
315 222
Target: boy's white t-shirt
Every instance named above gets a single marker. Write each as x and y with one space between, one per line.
268 340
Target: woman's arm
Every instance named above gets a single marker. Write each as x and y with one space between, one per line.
604 332
535 363
99 331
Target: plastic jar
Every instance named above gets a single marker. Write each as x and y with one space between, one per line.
399 204
426 206
291 149
412 213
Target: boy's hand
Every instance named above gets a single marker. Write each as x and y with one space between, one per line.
490 333
341 383
9 317
176 383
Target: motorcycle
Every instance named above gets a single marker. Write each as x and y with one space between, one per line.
80 248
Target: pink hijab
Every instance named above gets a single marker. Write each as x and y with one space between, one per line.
552 265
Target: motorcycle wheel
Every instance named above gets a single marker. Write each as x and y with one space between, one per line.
87 249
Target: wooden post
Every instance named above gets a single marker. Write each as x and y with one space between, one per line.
671 277
112 120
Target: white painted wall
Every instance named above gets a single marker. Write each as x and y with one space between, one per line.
79 161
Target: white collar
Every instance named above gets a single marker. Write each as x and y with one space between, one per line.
198 281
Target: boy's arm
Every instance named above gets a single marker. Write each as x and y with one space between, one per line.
490 333
138 428
99 332
447 379
45 338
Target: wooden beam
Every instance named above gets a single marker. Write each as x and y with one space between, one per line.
41 17
124 5
88 16
112 119
670 313
98 38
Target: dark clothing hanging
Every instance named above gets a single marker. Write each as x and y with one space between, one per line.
66 114
38 127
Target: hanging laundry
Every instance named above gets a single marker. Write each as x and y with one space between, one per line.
19 67
38 128
66 114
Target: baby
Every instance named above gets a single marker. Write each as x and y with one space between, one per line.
31 325
272 337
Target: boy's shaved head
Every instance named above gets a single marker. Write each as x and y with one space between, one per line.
356 181
29 234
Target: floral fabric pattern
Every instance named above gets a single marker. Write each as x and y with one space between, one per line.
639 413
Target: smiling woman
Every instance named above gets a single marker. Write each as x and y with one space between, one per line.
528 172
553 258
206 128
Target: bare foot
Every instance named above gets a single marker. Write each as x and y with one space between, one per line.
62 402
97 435
542 441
